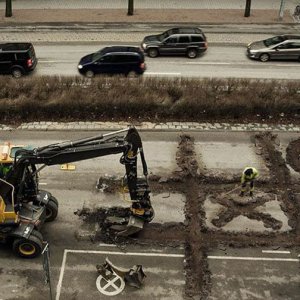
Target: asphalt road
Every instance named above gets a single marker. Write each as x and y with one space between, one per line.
227 61
235 273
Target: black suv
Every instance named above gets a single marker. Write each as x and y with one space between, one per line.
126 60
17 59
176 41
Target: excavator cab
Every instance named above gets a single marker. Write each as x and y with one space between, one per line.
24 207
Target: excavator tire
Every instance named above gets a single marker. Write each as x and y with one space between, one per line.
29 248
51 209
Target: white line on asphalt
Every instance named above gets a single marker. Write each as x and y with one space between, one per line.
66 251
162 73
276 252
57 62
239 64
125 253
107 245
61 275
42 183
211 63
253 258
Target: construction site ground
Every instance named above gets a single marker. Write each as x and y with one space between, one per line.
205 242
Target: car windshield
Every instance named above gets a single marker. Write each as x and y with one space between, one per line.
167 33
273 41
97 56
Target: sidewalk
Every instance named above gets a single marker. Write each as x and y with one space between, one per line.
176 16
145 11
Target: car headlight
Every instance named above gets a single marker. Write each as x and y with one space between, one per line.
144 45
79 67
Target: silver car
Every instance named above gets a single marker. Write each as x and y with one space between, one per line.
279 47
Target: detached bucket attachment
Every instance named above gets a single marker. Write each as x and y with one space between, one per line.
133 276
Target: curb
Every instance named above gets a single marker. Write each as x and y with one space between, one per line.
148 126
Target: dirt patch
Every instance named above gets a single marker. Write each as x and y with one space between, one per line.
293 155
197 186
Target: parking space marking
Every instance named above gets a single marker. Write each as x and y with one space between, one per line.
253 258
276 252
66 251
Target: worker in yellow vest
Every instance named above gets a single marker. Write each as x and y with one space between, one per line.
248 176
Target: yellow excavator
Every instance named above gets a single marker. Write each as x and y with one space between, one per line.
24 207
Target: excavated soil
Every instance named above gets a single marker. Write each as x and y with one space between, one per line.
293 155
191 180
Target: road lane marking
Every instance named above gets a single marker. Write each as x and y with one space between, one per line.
162 73
253 258
66 251
276 252
42 183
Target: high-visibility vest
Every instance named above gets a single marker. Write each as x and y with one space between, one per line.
249 177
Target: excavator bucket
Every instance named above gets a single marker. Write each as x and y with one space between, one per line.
125 226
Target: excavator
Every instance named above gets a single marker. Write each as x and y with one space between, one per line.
24 207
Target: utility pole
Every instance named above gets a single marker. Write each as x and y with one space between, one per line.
247 8
130 8
8 8
281 10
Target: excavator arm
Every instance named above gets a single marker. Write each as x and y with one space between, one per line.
23 172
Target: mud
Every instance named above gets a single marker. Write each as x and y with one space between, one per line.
197 185
293 154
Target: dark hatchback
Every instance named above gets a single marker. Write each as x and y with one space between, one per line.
189 41
126 60
17 59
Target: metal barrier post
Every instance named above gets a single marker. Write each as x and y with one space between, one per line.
46 267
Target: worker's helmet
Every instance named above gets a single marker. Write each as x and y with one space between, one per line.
249 171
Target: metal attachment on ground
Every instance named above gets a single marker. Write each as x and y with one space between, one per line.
112 279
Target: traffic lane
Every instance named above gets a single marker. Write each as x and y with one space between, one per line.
222 62
254 273
216 62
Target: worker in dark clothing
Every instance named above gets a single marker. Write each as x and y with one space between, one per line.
248 176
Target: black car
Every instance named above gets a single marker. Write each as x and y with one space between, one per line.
188 41
280 47
127 60
17 59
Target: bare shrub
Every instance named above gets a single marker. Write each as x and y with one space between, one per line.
102 98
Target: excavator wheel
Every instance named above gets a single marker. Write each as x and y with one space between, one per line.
51 209
29 248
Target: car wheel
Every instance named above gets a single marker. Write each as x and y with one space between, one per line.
16 73
153 52
264 57
89 74
29 248
192 53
